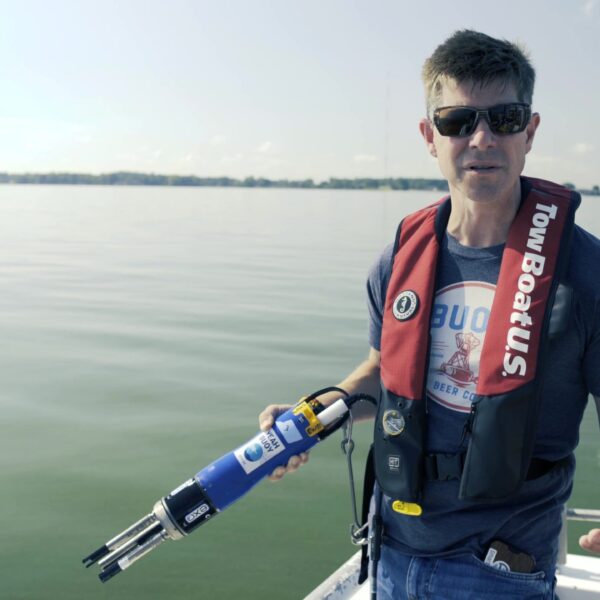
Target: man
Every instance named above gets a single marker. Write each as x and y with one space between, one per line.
476 470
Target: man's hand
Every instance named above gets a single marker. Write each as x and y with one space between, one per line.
591 541
266 419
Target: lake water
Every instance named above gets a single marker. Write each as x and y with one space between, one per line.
143 331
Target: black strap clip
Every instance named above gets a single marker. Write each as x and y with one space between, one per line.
444 467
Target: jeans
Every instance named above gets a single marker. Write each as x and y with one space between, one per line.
465 577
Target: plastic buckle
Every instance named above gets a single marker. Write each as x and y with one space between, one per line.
443 467
449 466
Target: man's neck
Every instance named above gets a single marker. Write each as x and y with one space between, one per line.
482 224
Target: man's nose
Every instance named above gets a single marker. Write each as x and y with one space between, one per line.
482 137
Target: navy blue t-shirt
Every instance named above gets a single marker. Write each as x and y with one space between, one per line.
531 520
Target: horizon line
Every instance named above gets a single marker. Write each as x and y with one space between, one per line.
123 177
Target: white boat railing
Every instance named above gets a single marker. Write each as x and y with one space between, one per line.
573 514
578 576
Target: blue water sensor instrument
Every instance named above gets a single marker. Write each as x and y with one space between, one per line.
221 483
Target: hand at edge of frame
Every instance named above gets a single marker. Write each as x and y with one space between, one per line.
591 541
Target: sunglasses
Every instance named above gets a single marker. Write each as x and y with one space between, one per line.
461 121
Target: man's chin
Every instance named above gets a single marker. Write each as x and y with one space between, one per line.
487 190
477 193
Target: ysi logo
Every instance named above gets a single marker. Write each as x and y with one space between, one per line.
196 514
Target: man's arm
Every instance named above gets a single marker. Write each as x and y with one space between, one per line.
591 541
364 379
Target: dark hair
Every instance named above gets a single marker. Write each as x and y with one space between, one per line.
471 56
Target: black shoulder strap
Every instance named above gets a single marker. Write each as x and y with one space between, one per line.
441 218
368 484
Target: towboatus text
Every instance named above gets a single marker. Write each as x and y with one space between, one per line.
532 266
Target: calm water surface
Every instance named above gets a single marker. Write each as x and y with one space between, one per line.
143 331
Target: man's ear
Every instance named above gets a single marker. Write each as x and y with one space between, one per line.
426 129
531 129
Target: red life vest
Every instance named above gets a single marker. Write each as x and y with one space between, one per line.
503 415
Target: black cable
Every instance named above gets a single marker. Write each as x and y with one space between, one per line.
325 390
354 398
350 400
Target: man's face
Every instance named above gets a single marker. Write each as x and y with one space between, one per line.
483 167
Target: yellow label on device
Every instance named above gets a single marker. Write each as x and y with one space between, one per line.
407 508
314 425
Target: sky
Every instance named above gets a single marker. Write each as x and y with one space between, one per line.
273 88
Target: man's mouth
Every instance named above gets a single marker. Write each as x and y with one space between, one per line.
481 168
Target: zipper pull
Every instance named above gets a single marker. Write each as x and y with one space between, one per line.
468 427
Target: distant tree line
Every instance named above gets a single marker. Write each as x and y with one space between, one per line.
595 191
132 178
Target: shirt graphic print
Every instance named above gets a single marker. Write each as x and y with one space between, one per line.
459 321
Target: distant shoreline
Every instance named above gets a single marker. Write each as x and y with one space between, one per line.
152 179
